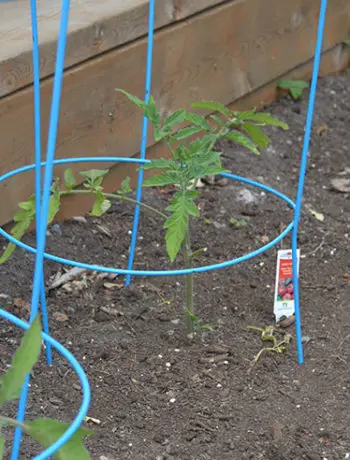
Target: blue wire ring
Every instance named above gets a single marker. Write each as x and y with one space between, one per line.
120 271
79 372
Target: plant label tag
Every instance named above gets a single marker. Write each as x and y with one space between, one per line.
284 289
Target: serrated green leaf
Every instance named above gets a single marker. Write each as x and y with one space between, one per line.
159 180
151 111
181 207
22 364
239 138
185 132
261 118
17 231
2 446
288 84
296 93
160 163
100 206
159 134
93 174
140 104
256 134
213 170
212 106
197 120
125 186
175 118
46 431
54 205
69 178
206 159
27 206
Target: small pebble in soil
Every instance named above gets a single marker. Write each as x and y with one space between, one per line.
172 400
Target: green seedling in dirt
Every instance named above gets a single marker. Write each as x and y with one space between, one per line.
44 431
189 160
268 335
238 223
295 87
196 325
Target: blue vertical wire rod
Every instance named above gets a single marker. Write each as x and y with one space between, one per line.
303 166
143 138
51 146
37 147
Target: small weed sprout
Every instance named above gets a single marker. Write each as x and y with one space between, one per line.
188 162
268 335
44 431
295 87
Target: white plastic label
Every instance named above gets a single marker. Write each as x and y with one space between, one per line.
284 289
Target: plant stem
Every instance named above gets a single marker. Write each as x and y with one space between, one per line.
189 282
115 196
13 422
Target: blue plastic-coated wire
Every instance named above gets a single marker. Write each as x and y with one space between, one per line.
51 146
37 148
302 173
86 392
143 147
120 271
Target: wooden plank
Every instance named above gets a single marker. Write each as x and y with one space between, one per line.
94 27
247 47
333 61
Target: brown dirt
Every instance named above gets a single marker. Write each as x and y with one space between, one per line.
208 402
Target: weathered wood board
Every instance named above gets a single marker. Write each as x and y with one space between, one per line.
95 26
249 44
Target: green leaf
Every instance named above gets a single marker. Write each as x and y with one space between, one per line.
239 138
208 171
347 41
262 118
18 230
125 186
288 84
296 93
140 104
151 111
185 132
100 206
212 106
69 179
238 223
175 118
2 446
197 120
46 431
22 363
256 134
182 206
159 180
160 163
206 158
296 87
54 205
94 174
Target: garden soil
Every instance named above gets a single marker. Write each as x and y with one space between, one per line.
156 395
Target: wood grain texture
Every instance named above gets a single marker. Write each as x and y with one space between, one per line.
247 47
94 27
333 61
